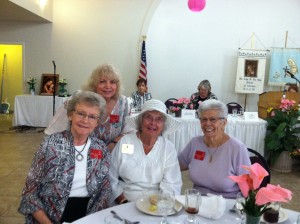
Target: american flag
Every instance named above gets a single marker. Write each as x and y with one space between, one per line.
143 68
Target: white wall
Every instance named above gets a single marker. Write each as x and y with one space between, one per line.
182 47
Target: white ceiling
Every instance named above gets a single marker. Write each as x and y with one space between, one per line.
12 12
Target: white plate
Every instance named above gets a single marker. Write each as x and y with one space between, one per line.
282 216
143 205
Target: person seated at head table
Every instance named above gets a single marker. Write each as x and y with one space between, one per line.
145 161
140 96
213 157
69 178
105 81
204 93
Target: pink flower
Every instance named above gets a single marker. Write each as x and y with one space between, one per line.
272 193
257 174
245 183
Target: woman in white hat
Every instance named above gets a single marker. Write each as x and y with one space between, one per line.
145 162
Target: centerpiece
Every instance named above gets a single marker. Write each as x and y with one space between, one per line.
31 81
282 135
179 104
257 199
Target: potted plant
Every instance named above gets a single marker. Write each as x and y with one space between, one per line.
283 130
179 105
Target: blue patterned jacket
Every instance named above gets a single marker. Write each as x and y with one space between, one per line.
50 177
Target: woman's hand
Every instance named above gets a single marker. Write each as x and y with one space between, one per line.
41 217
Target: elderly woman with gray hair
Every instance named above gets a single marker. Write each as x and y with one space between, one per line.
145 162
69 176
213 157
204 93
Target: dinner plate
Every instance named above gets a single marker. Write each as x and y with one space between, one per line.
143 205
282 216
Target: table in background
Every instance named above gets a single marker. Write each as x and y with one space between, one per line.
251 133
129 211
34 110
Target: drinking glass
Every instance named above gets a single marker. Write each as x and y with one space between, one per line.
192 204
165 204
239 206
272 216
234 112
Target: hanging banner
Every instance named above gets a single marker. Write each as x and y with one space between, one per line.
251 71
284 58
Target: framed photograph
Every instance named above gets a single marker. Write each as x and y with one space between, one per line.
251 68
47 84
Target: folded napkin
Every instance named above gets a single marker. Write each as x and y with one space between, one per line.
212 206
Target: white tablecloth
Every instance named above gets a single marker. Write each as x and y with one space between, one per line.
129 211
34 110
251 133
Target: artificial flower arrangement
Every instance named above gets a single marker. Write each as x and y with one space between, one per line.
257 199
62 81
179 104
31 80
282 130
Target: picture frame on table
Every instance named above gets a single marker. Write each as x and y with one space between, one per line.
47 84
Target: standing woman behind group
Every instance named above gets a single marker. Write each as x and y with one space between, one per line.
204 93
140 96
104 80
68 178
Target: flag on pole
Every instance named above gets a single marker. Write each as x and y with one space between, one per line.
143 68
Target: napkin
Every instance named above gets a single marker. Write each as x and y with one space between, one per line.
212 206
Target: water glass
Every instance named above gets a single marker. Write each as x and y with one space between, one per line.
239 205
165 204
241 111
234 112
192 204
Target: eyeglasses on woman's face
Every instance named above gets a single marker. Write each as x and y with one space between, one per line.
210 119
159 119
82 115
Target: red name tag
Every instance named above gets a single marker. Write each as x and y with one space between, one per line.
113 118
199 155
96 154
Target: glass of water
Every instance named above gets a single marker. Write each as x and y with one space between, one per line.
239 204
165 204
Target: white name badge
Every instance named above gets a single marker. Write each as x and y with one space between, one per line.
251 116
127 148
188 114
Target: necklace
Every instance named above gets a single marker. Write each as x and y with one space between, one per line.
150 146
209 150
79 157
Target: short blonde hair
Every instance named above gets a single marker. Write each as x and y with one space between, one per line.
103 71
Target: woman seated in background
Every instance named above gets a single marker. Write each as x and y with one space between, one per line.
145 162
140 96
105 81
204 93
213 157
69 177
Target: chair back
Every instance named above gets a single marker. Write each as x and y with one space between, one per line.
169 102
256 157
233 105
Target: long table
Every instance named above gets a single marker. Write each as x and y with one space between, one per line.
35 110
130 212
252 133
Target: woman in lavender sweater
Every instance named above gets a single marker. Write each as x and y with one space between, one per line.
213 157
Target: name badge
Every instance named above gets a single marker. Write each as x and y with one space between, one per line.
199 155
127 148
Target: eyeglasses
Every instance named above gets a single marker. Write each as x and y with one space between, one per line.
211 119
150 118
83 115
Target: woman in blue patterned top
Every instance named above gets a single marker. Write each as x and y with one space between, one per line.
68 178
140 96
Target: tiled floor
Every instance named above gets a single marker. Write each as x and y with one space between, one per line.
16 153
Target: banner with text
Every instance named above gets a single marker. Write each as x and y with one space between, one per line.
251 71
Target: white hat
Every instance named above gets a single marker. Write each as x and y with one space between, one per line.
171 124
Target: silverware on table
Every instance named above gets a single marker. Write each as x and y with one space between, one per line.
126 221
